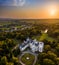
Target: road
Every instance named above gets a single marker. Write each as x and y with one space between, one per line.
29 53
17 46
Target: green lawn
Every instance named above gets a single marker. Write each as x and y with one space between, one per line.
28 61
44 36
18 26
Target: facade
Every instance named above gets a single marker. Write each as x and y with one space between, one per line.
34 45
41 45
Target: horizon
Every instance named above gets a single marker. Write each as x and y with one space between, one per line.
30 18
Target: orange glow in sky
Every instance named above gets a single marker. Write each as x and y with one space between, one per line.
52 11
35 10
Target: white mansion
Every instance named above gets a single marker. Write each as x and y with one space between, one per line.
34 45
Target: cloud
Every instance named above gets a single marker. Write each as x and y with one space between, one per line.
12 2
19 2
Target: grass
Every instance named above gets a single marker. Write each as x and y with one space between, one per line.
28 61
44 36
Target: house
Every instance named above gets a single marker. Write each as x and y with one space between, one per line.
41 45
34 45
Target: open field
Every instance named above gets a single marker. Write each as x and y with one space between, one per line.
44 36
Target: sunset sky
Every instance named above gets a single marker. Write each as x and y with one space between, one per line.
29 9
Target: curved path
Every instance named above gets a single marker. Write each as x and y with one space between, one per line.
29 53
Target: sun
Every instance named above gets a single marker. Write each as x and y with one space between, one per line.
52 12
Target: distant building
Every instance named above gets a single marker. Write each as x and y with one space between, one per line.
34 45
46 31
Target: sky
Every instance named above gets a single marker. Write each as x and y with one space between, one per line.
29 9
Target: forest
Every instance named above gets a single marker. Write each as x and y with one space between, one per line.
50 55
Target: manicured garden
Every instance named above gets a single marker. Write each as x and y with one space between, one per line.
28 59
